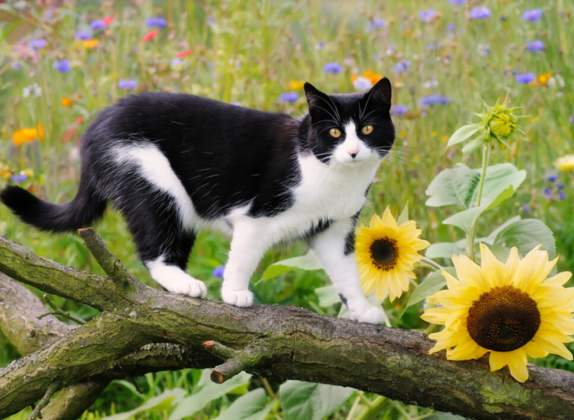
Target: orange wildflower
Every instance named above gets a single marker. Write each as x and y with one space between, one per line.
88 44
28 135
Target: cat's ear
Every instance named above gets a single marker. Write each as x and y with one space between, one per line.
318 102
380 93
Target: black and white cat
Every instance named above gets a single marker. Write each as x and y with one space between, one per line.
176 163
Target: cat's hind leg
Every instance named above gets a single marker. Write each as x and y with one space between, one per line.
163 244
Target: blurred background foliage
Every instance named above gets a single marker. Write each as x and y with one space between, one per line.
63 61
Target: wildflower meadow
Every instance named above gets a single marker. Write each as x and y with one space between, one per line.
467 235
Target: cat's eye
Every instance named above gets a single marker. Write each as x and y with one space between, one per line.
335 133
367 129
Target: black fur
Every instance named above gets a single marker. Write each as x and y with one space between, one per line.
224 155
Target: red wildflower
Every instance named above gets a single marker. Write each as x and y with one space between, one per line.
183 53
150 35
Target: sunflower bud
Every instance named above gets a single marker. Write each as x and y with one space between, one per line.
499 122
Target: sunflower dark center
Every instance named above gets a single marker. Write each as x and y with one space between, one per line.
384 253
503 319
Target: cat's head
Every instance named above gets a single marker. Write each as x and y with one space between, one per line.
350 128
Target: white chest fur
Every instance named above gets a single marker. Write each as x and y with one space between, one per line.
333 192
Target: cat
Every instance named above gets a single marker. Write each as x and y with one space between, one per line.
175 163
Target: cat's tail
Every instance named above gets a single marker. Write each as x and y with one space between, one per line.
84 209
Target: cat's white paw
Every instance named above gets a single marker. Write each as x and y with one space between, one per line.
369 314
185 286
241 298
175 280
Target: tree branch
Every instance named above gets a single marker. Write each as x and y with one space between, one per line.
299 345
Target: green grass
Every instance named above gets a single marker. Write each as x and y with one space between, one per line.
248 52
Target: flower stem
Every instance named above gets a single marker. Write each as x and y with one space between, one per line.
431 263
472 232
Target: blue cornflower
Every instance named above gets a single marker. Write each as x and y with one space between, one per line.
560 186
427 15
83 35
402 66
332 68
548 193
525 78
457 2
431 100
552 178
63 66
218 272
532 15
289 97
399 110
479 12
156 22
18 178
561 195
128 84
535 46
377 23
37 43
98 25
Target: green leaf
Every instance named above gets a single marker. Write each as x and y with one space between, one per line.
445 249
459 185
163 401
431 284
467 218
311 401
308 261
210 392
463 134
454 186
499 178
251 406
525 235
327 295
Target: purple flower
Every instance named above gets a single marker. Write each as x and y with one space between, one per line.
451 27
525 78
535 46
98 25
431 100
479 12
218 272
560 186
156 22
332 68
63 66
399 110
288 97
376 23
402 66
427 16
526 208
532 15
37 43
18 178
552 178
457 2
561 195
128 84
83 34
548 193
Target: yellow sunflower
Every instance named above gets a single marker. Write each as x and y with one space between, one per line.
511 310
386 254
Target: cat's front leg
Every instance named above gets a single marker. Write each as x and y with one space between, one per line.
248 245
336 253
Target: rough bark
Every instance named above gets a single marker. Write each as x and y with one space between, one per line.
279 341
